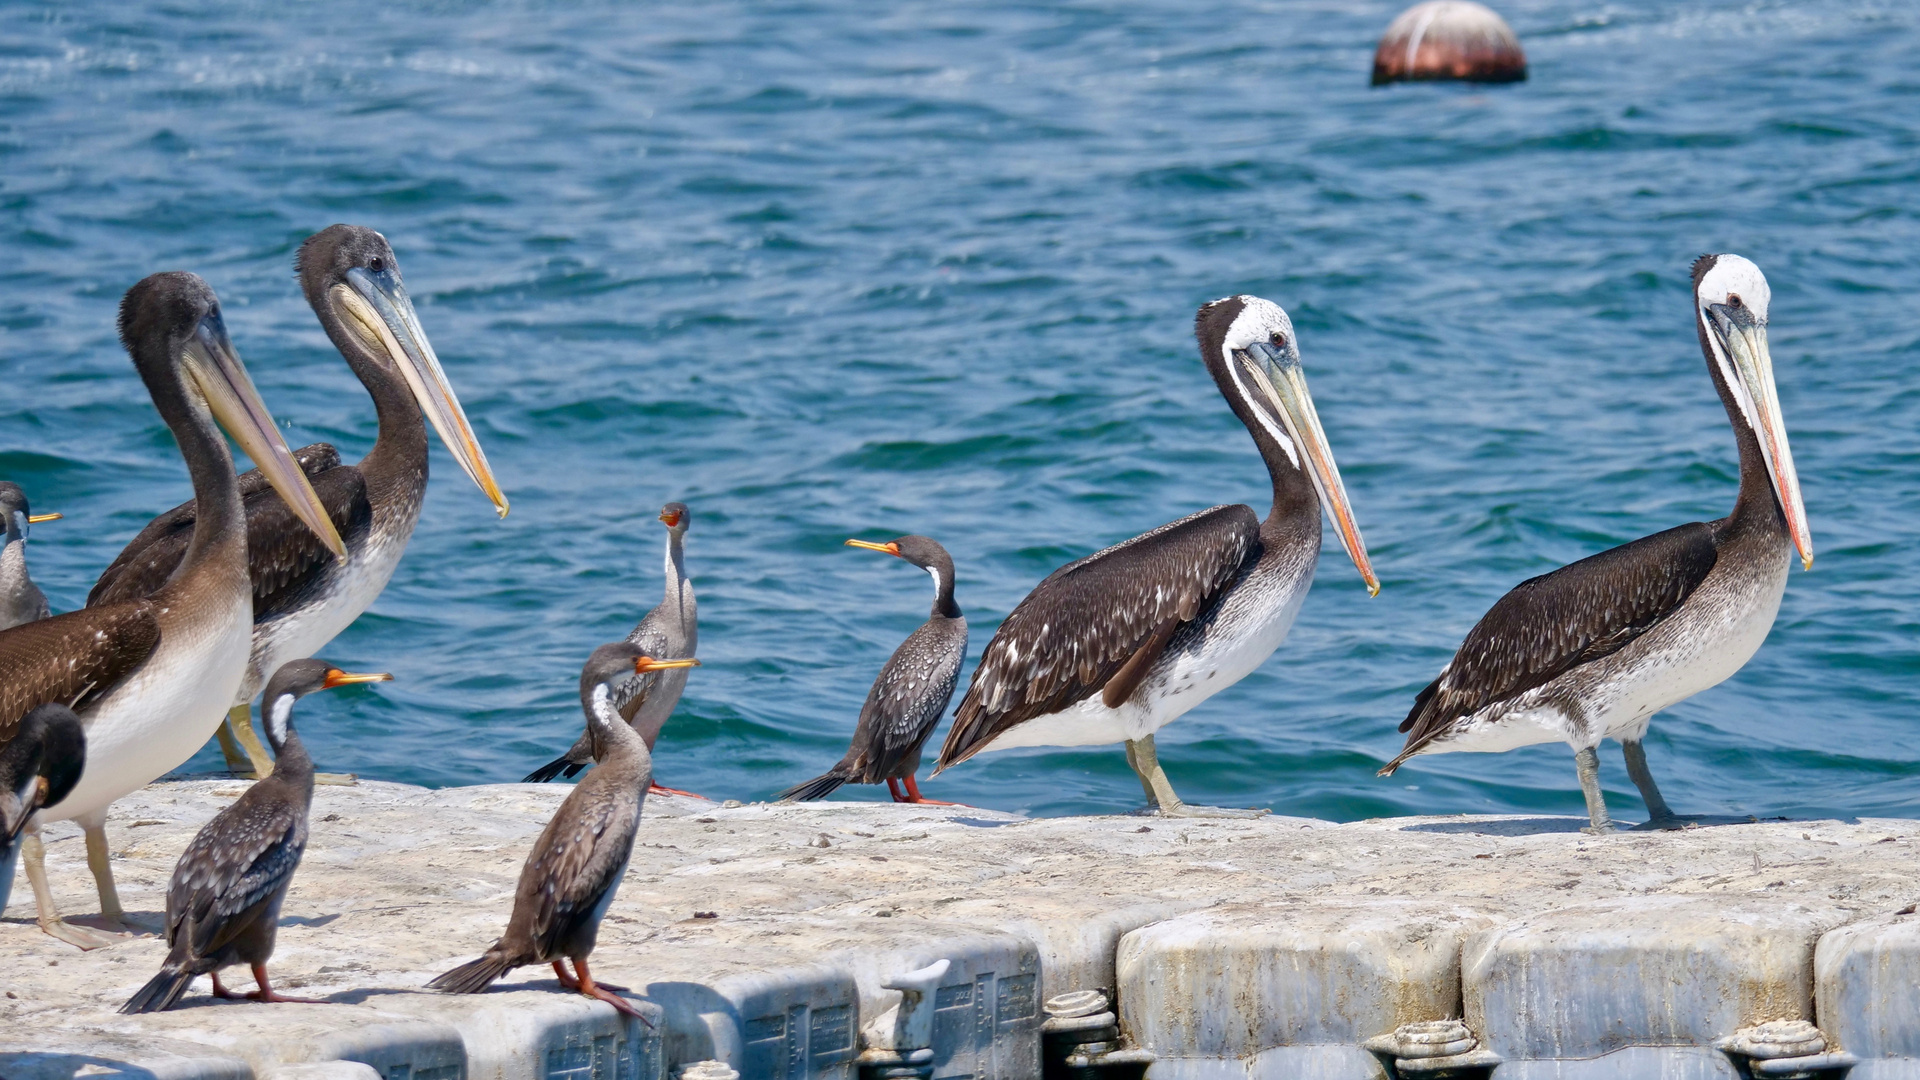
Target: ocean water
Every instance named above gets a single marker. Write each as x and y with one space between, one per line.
829 269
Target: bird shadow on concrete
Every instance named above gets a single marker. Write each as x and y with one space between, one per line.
47 1066
1538 826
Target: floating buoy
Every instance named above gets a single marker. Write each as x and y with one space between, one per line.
1449 40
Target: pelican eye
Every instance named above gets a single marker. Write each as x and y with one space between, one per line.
1734 301
377 265
1279 340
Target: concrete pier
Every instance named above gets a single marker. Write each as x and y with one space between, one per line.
763 937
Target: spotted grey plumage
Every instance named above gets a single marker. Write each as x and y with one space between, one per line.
1114 646
672 628
21 601
1594 649
910 694
223 903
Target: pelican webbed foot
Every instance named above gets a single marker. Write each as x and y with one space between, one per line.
1161 798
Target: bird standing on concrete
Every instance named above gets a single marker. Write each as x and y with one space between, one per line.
150 677
38 767
911 694
672 628
223 905
302 594
570 878
21 601
1117 645
1592 650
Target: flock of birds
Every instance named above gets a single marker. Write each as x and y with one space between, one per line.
238 588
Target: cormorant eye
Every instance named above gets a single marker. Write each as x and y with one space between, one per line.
1279 340
378 265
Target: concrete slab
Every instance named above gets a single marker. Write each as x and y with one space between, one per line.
1867 994
1291 989
810 906
1641 972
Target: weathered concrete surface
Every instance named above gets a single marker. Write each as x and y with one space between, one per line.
813 907
1867 993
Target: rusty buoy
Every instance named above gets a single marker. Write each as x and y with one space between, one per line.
1449 40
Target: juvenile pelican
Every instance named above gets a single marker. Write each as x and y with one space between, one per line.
302 595
149 677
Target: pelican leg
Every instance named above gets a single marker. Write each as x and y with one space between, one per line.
1587 763
1659 814
1145 760
239 727
48 917
236 758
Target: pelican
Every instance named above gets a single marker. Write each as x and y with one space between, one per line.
302 595
148 677
1592 650
1123 642
21 601
911 693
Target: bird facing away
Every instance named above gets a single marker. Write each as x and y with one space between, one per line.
302 595
576 865
670 629
21 601
151 676
912 692
223 905
1116 645
1592 650
38 767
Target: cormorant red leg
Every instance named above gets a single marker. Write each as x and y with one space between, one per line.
265 993
567 982
221 991
893 789
914 796
592 990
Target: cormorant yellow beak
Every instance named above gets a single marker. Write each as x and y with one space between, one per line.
889 547
336 677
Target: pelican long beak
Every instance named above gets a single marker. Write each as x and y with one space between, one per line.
888 548
35 519
644 664
1743 339
379 304
222 379
1278 375
336 677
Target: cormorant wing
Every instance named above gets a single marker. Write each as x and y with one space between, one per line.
150 558
242 857
910 695
577 859
1551 624
1103 617
73 658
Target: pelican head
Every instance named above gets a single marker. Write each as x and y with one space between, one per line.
349 271
1261 357
1731 298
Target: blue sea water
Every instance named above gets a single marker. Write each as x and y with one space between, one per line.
827 269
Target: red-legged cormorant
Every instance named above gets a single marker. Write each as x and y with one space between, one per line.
911 694
223 904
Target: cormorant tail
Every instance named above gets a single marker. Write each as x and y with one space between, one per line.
817 788
550 770
161 991
471 978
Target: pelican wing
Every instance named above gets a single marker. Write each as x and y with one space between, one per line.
74 658
1554 623
276 541
1106 616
